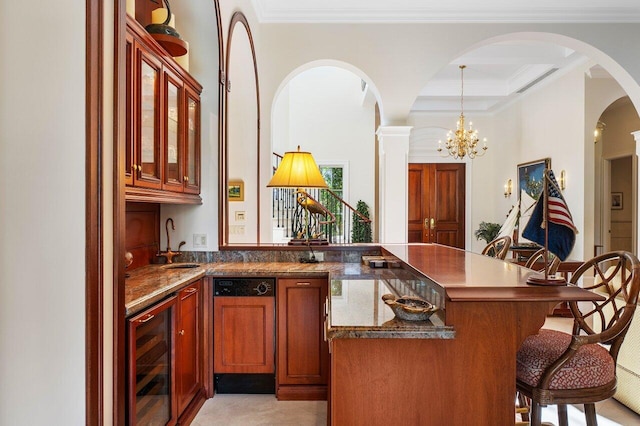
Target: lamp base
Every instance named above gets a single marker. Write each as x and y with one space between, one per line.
546 281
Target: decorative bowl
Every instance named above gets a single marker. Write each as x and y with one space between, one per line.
409 308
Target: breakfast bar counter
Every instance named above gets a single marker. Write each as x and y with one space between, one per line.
468 379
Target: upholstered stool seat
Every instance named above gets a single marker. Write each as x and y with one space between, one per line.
592 365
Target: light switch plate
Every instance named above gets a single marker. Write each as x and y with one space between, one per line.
199 240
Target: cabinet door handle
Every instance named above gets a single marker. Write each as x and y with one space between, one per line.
426 223
303 283
186 178
191 290
433 223
147 318
181 332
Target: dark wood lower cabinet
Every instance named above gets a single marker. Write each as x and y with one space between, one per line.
303 354
165 364
189 359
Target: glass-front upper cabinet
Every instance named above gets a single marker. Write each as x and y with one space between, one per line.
162 124
148 146
192 143
173 123
129 167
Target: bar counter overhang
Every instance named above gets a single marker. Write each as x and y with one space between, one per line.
467 379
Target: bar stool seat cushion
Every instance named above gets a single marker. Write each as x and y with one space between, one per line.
591 366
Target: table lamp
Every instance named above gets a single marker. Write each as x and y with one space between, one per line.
298 169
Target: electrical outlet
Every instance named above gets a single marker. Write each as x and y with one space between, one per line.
199 240
319 256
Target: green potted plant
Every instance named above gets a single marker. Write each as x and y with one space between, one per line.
488 231
361 231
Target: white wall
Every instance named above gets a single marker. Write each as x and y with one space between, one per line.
553 126
194 23
242 134
42 199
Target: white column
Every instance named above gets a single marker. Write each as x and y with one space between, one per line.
636 190
393 185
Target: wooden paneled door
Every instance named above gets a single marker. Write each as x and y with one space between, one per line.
436 203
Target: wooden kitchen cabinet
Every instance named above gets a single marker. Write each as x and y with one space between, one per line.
243 334
165 360
162 163
189 360
303 354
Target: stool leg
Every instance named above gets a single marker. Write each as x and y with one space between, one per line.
562 415
590 414
536 413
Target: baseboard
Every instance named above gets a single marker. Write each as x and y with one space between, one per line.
301 393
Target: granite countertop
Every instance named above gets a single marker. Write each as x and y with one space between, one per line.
150 284
356 310
354 283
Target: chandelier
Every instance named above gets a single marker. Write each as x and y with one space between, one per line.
463 142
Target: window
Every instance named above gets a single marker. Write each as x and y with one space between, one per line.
334 175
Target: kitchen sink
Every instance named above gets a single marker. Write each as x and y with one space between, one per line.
181 266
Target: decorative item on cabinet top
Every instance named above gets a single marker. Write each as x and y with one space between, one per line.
165 33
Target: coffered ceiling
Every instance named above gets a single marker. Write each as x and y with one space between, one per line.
495 74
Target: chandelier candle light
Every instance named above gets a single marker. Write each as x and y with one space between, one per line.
463 142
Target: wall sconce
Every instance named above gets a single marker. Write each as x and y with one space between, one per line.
597 133
508 188
563 180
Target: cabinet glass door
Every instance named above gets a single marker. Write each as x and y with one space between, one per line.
148 155
173 144
129 137
192 166
150 366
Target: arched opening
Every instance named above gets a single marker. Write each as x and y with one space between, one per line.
327 108
553 116
616 178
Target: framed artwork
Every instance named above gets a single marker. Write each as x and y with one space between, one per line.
616 201
531 177
530 184
236 190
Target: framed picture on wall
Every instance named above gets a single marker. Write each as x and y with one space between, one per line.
616 201
531 177
530 184
236 190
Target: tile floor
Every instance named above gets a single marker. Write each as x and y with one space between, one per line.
254 410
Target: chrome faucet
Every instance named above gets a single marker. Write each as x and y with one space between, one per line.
169 254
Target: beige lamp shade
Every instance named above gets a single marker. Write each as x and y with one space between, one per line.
297 169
